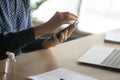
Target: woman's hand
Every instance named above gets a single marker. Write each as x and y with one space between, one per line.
59 19
47 43
55 22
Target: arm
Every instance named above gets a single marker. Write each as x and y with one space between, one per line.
13 41
55 22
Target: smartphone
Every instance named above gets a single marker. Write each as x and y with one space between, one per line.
59 33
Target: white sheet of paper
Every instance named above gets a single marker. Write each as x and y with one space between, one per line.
112 36
61 73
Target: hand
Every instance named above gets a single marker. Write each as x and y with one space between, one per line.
59 19
47 43
55 22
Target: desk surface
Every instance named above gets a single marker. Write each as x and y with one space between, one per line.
64 55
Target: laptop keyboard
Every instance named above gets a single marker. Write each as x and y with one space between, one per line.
113 60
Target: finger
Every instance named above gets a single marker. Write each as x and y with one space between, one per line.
61 39
65 35
68 13
53 42
69 16
70 30
55 39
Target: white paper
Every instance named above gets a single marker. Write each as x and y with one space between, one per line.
61 73
112 36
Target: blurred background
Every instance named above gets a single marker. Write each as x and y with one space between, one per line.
95 16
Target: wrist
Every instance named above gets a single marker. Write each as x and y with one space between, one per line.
39 31
51 27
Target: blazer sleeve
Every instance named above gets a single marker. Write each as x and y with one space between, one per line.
13 41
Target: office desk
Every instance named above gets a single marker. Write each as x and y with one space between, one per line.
64 55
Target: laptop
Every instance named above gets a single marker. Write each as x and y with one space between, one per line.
102 56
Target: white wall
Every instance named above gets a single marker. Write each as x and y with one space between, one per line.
97 16
48 9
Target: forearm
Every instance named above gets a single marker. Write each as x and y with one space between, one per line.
45 28
40 30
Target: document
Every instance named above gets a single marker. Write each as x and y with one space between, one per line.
61 74
112 37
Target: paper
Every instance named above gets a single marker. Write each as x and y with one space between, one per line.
112 37
61 74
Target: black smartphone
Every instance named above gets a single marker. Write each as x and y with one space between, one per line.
59 33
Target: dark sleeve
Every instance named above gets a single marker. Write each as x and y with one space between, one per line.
13 41
35 45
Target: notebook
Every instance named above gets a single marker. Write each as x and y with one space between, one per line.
61 74
102 56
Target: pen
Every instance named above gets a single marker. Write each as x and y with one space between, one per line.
61 79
